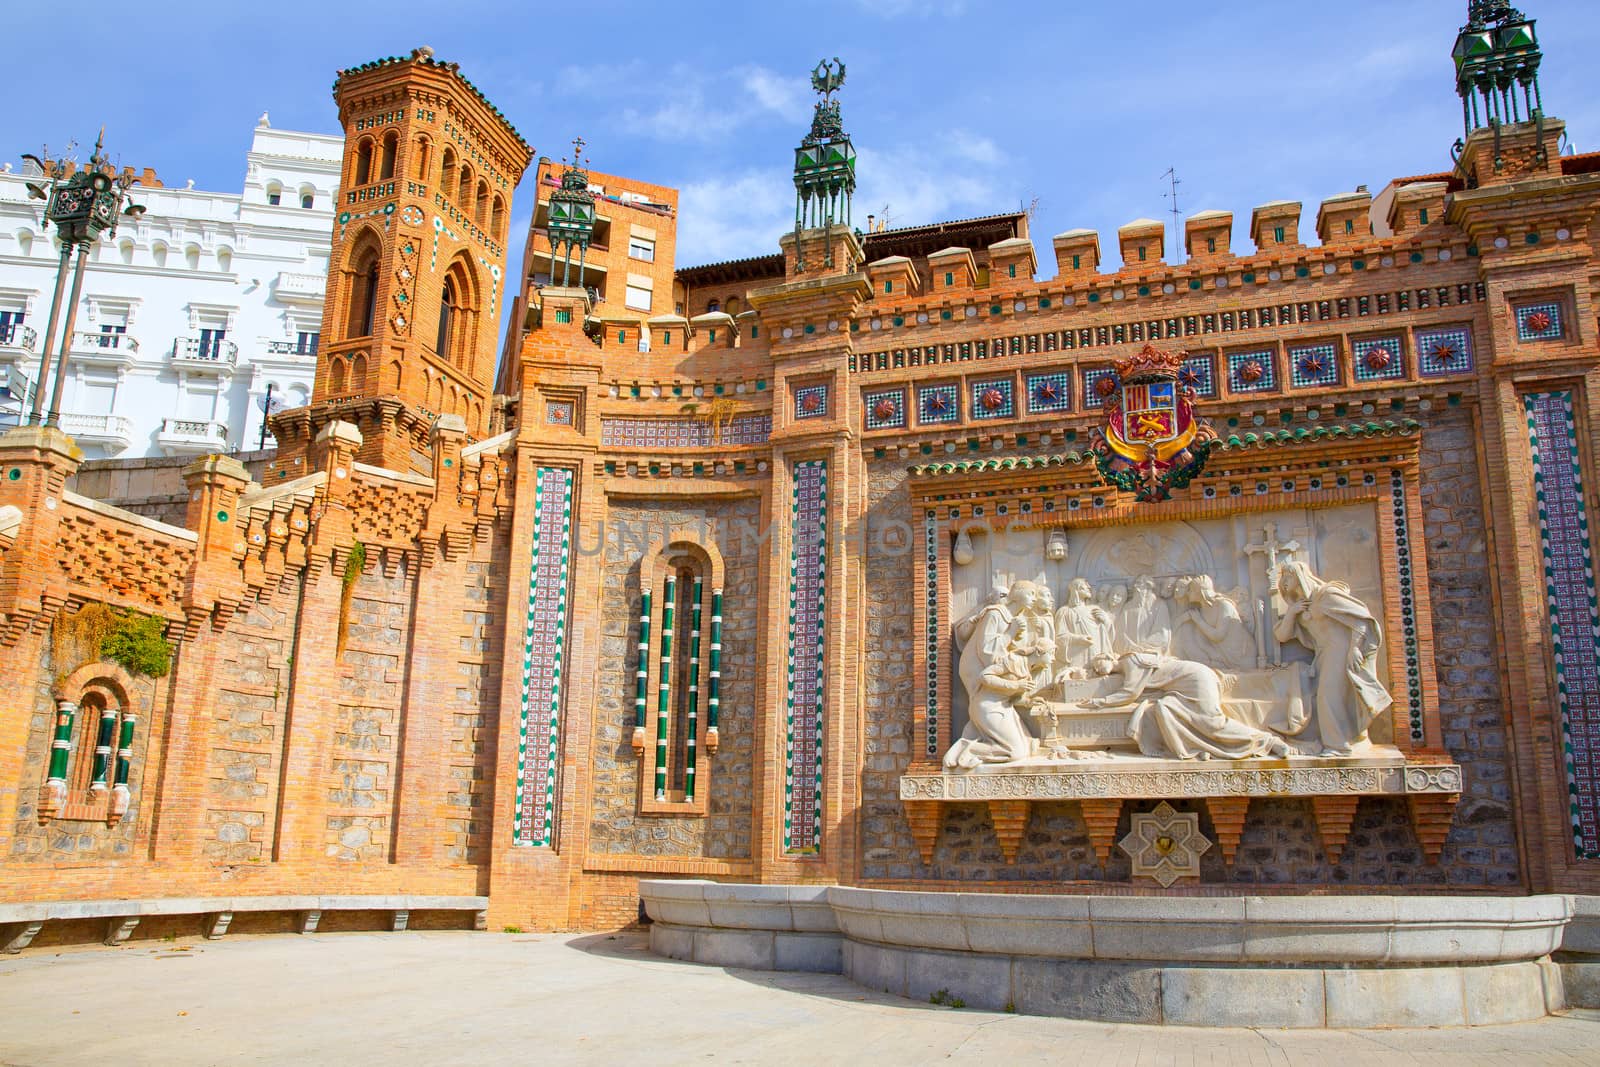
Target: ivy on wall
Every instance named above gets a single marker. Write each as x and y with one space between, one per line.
135 641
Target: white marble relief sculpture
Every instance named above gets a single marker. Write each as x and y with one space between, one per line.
1161 663
1344 635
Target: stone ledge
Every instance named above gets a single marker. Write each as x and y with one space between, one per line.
1297 961
1177 779
21 922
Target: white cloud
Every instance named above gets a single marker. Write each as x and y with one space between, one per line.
733 217
744 214
690 103
786 97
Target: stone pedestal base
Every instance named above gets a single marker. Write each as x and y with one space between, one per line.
1289 961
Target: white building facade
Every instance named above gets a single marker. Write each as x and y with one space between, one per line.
189 315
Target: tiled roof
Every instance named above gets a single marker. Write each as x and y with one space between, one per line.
449 68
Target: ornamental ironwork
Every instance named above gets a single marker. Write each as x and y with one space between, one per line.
824 163
1497 67
571 217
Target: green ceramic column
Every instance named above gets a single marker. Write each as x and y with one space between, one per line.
694 692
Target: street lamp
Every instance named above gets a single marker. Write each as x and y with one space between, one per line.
83 203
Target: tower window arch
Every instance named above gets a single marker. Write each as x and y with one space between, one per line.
464 193
391 147
362 303
447 180
497 218
482 211
364 161
454 339
423 160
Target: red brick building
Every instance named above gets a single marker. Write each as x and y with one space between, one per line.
427 656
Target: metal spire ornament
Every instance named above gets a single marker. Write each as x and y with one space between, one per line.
825 163
571 219
1497 69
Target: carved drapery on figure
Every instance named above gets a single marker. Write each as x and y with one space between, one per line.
1169 667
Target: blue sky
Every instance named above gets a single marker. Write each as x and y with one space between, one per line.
957 107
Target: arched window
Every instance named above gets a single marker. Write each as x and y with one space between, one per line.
191 257
96 720
391 146
449 308
424 159
225 260
363 286
731 305
497 219
308 197
675 735
482 213
274 194
125 249
158 252
712 305
447 180
364 161
464 193
358 373
336 378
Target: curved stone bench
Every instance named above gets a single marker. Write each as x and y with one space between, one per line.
1294 961
21 923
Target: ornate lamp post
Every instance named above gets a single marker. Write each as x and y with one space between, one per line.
825 163
571 221
83 204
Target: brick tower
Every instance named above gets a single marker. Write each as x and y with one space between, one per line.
416 280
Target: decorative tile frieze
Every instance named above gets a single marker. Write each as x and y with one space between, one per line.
1313 365
1377 359
1048 392
886 409
685 433
993 398
1570 599
1408 604
804 705
543 658
558 412
811 402
938 404
1445 350
934 636
1252 372
1539 322
1200 374
1094 392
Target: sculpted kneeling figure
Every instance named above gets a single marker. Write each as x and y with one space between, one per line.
1178 710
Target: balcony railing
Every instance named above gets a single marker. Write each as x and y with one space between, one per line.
115 430
178 436
107 347
204 352
16 335
289 348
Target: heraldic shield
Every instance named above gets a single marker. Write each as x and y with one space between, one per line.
1152 441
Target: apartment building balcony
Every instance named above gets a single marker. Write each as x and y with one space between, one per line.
291 288
106 347
180 437
113 433
205 353
291 348
15 338
18 365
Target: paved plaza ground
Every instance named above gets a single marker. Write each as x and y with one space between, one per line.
462 998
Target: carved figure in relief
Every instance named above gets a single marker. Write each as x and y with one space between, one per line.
1144 623
1083 631
1178 710
1210 628
1344 636
994 669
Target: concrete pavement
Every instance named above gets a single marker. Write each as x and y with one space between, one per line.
462 998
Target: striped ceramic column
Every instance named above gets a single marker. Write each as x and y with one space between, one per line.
61 748
694 692
714 681
669 603
642 672
119 790
102 749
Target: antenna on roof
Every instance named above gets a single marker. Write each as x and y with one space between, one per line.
1172 194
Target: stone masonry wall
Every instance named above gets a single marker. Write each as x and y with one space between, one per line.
615 825
1280 845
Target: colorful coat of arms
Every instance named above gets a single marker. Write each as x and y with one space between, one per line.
1152 440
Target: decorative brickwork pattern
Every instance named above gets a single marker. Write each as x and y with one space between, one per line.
1200 374
1574 617
543 652
993 399
1313 365
123 561
936 664
1377 359
684 433
811 402
938 404
1408 604
805 698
